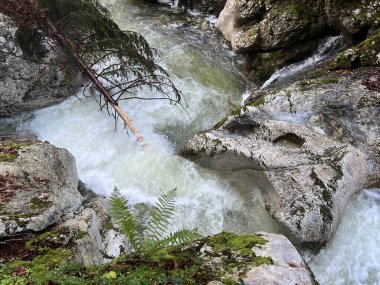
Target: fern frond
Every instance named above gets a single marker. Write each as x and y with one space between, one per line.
140 213
173 239
122 215
161 216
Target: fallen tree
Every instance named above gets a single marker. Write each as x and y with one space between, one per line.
116 63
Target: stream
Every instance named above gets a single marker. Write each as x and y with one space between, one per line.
212 85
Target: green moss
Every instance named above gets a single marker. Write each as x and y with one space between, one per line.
364 54
260 101
236 112
329 80
293 9
7 157
226 240
40 240
175 265
262 260
36 203
43 262
9 150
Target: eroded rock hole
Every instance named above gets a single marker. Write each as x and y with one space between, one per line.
289 140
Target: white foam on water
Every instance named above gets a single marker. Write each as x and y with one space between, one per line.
212 19
353 255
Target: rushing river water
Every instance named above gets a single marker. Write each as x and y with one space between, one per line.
205 71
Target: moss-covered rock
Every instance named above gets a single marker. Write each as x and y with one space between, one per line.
225 257
366 53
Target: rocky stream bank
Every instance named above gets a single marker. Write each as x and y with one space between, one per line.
307 144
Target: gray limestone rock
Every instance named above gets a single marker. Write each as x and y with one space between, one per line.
91 232
38 186
259 27
306 177
288 266
340 106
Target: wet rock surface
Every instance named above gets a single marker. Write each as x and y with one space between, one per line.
205 6
342 104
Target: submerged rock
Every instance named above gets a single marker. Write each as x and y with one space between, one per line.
28 80
306 177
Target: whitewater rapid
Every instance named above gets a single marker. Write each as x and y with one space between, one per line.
106 158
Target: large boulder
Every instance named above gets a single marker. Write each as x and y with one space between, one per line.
38 186
306 177
28 79
43 202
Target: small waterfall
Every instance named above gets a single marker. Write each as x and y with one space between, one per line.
323 52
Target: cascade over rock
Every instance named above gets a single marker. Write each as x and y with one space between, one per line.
258 27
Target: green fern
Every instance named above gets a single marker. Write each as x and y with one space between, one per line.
146 229
122 215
